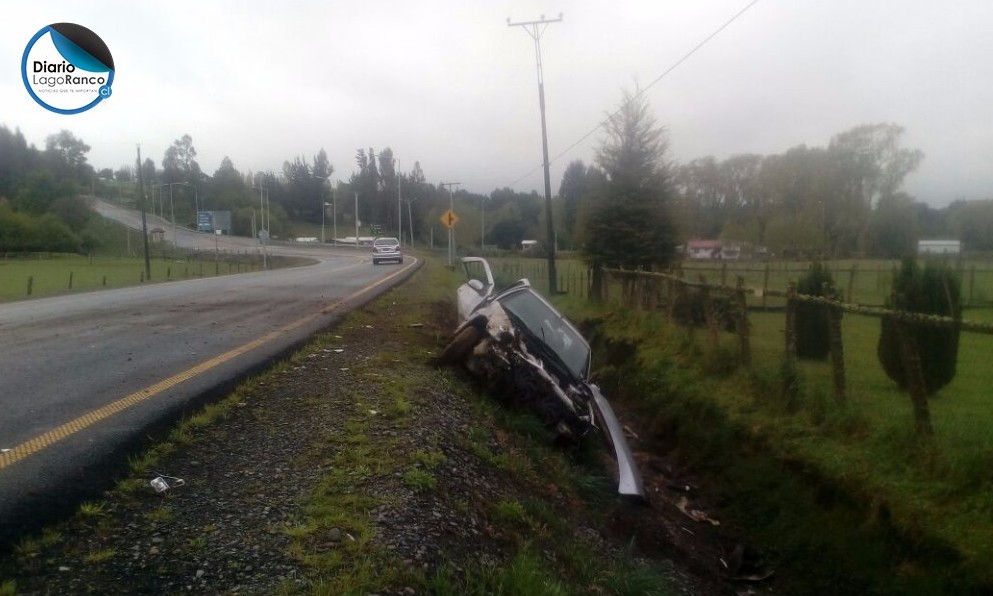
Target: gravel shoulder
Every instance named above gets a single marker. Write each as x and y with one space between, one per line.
357 466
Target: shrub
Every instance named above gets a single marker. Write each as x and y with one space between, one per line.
936 290
689 310
812 320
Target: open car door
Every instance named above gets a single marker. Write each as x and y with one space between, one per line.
478 286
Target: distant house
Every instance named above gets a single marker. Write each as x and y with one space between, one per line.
718 250
528 244
703 249
939 247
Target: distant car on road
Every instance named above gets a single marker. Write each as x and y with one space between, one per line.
386 249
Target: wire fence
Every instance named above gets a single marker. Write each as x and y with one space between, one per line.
747 311
733 315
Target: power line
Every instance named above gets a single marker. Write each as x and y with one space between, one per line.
641 92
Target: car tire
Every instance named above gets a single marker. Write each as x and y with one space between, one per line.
456 350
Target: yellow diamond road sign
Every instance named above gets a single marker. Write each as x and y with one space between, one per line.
449 219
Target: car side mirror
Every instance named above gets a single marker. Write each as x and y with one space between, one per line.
477 285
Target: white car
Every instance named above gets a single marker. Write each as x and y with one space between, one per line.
386 249
529 353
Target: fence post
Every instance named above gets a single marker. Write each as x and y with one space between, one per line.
851 281
972 282
834 314
70 280
915 378
790 376
744 343
791 324
30 284
710 315
765 285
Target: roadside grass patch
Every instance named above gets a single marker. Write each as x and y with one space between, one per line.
528 573
511 513
429 459
100 556
91 509
420 480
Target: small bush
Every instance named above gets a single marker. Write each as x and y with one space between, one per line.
936 290
812 320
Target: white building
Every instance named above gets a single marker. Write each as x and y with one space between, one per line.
939 247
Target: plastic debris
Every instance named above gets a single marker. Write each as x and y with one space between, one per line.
695 514
162 483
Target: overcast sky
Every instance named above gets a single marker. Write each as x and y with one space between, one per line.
449 84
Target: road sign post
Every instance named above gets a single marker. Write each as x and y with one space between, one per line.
449 219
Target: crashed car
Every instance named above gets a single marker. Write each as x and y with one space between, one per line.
528 352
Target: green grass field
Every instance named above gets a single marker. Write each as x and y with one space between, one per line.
33 277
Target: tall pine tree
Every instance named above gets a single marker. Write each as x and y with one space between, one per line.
628 223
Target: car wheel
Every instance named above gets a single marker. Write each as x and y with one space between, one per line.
456 350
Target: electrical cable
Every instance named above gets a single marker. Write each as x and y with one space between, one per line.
641 92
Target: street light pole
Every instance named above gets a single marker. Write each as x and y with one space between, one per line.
399 207
535 29
356 219
172 210
324 205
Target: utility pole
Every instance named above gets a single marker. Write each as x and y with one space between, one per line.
144 224
451 229
535 29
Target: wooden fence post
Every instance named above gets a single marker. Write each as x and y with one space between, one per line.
837 352
790 378
915 378
744 342
765 285
710 315
851 281
972 283
791 324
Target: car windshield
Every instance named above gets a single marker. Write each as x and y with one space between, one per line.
386 242
548 325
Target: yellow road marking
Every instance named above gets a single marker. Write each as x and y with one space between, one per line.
72 427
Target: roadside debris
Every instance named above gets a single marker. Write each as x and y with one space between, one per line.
694 514
162 483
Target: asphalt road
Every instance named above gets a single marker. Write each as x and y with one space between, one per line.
86 378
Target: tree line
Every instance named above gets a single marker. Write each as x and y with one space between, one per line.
631 207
